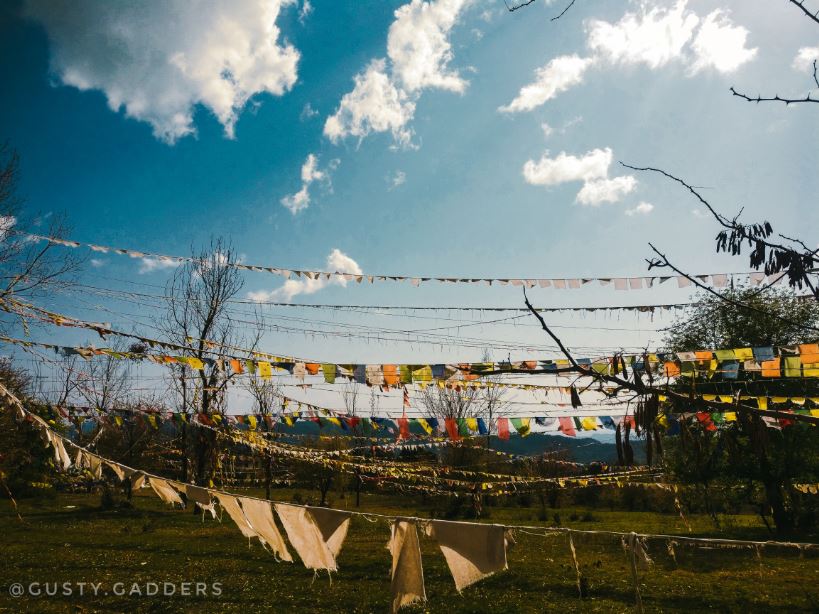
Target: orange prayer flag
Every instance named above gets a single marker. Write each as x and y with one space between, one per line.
236 366
770 368
391 377
809 353
672 369
312 367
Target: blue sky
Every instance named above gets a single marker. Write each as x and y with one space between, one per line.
418 169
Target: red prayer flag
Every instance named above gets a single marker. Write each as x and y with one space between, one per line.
452 429
503 428
705 419
567 426
403 428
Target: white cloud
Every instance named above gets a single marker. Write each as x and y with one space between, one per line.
563 168
592 169
158 61
597 191
805 57
307 112
653 38
150 264
374 105
337 262
547 130
418 45
98 263
310 173
557 76
642 208
305 10
399 178
720 45
385 93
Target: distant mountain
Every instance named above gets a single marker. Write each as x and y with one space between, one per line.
581 449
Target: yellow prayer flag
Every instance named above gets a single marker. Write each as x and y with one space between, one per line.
265 369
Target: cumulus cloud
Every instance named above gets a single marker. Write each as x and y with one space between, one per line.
374 105
557 76
652 38
805 58
150 264
720 45
418 58
98 263
337 262
310 174
592 169
642 208
158 61
598 191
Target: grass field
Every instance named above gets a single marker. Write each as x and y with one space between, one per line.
70 539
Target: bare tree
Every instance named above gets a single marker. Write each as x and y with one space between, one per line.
105 382
450 402
58 384
493 400
28 268
349 396
266 394
197 317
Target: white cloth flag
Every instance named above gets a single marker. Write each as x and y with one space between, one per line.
60 455
407 572
472 551
231 506
201 497
117 469
316 534
260 516
165 491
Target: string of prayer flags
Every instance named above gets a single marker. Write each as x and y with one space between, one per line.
717 280
472 551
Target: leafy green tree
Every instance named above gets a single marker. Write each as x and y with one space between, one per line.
758 458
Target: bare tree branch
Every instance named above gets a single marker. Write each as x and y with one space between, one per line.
774 98
773 257
801 5
564 11
664 262
514 8
639 387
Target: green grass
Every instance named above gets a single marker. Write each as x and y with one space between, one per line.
69 539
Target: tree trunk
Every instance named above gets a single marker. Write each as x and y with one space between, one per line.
267 475
783 519
183 449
